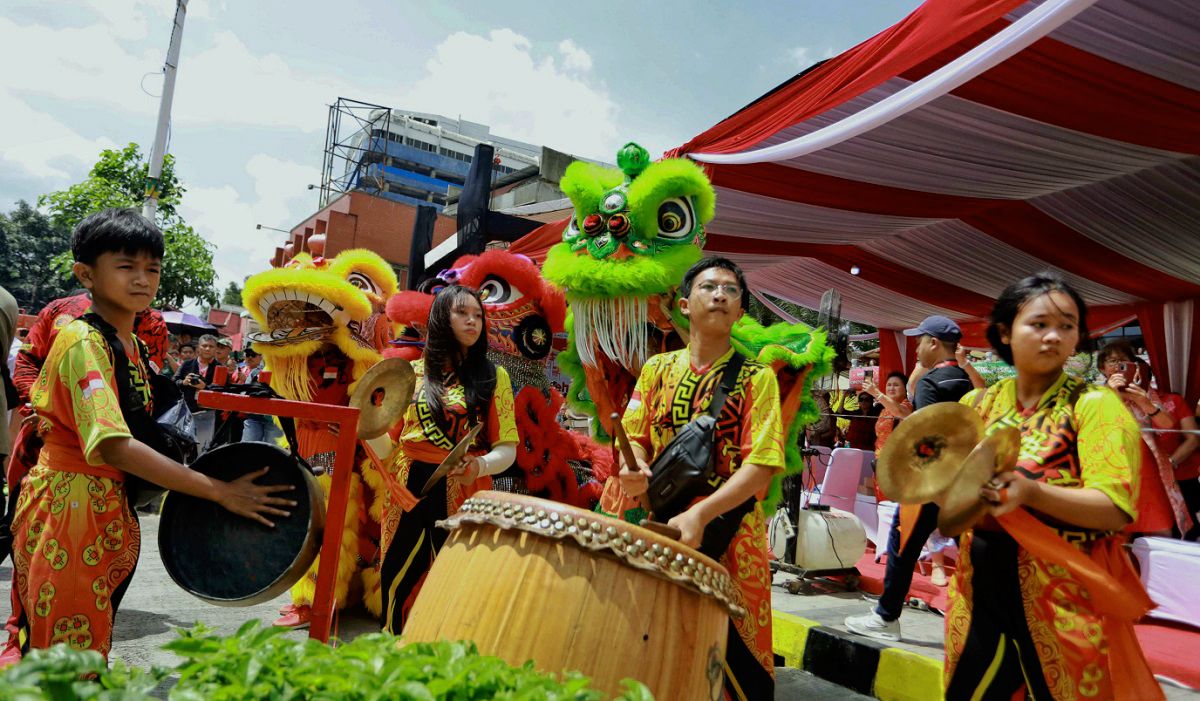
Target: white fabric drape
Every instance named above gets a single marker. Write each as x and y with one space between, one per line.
1178 318
989 53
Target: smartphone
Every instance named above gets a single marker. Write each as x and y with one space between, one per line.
1126 368
857 375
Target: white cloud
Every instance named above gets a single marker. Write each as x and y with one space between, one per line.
805 56
574 57
521 95
43 146
226 218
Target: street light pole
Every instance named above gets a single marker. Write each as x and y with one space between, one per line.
264 226
159 151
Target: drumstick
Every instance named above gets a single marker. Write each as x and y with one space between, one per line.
630 460
623 442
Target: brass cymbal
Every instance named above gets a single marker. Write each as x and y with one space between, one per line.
922 456
961 505
382 395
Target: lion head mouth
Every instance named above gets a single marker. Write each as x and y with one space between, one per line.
295 316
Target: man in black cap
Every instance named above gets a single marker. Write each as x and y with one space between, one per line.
945 381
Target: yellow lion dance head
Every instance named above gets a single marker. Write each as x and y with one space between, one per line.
320 315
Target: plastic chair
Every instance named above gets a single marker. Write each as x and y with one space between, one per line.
839 489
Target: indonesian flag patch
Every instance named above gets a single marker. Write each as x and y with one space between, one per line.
90 383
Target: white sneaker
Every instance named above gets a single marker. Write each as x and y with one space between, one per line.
872 625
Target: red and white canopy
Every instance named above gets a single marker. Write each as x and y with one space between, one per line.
971 144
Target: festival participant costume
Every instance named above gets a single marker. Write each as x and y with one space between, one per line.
322 328
76 540
148 327
524 313
633 234
1061 627
411 538
668 394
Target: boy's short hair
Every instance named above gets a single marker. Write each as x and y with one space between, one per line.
115 231
187 344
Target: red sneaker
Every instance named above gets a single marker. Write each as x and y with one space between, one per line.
294 617
10 655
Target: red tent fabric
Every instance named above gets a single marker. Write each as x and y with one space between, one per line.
971 144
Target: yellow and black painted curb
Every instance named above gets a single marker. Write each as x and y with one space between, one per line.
860 664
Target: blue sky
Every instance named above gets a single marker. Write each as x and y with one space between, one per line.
255 79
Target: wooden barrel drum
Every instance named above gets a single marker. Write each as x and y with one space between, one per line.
530 579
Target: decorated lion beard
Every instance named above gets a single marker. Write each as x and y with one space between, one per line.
523 315
322 329
634 233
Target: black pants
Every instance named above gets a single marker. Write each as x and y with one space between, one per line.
416 543
999 658
6 517
1191 496
897 577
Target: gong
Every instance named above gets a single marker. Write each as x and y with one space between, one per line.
231 560
381 396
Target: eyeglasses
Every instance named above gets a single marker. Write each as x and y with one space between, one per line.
730 289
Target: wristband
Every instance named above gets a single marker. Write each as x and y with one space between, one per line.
1157 411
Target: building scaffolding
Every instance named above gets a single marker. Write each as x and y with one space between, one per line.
350 148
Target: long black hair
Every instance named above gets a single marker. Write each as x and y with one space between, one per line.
443 354
1017 295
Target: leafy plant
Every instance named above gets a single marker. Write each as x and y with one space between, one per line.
258 663
66 674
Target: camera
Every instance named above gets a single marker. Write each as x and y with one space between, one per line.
1126 368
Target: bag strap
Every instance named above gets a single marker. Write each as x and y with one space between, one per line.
728 378
125 391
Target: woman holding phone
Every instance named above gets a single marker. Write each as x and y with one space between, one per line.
1161 506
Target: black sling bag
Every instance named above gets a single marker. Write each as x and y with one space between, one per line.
685 469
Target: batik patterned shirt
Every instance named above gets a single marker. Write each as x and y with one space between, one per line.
670 393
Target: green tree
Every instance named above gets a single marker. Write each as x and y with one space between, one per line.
232 294
28 239
118 180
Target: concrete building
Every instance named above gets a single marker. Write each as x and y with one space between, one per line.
423 158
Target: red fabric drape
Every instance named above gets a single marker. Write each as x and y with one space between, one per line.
1026 227
890 359
1150 318
536 243
933 28
1192 391
1123 104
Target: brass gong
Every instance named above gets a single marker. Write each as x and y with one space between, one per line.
382 395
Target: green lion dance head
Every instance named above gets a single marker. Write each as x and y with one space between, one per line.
635 231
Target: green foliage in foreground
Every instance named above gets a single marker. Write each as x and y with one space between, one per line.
258 663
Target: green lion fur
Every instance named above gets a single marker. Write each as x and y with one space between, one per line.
583 277
670 178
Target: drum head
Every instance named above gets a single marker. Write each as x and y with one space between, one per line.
230 560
